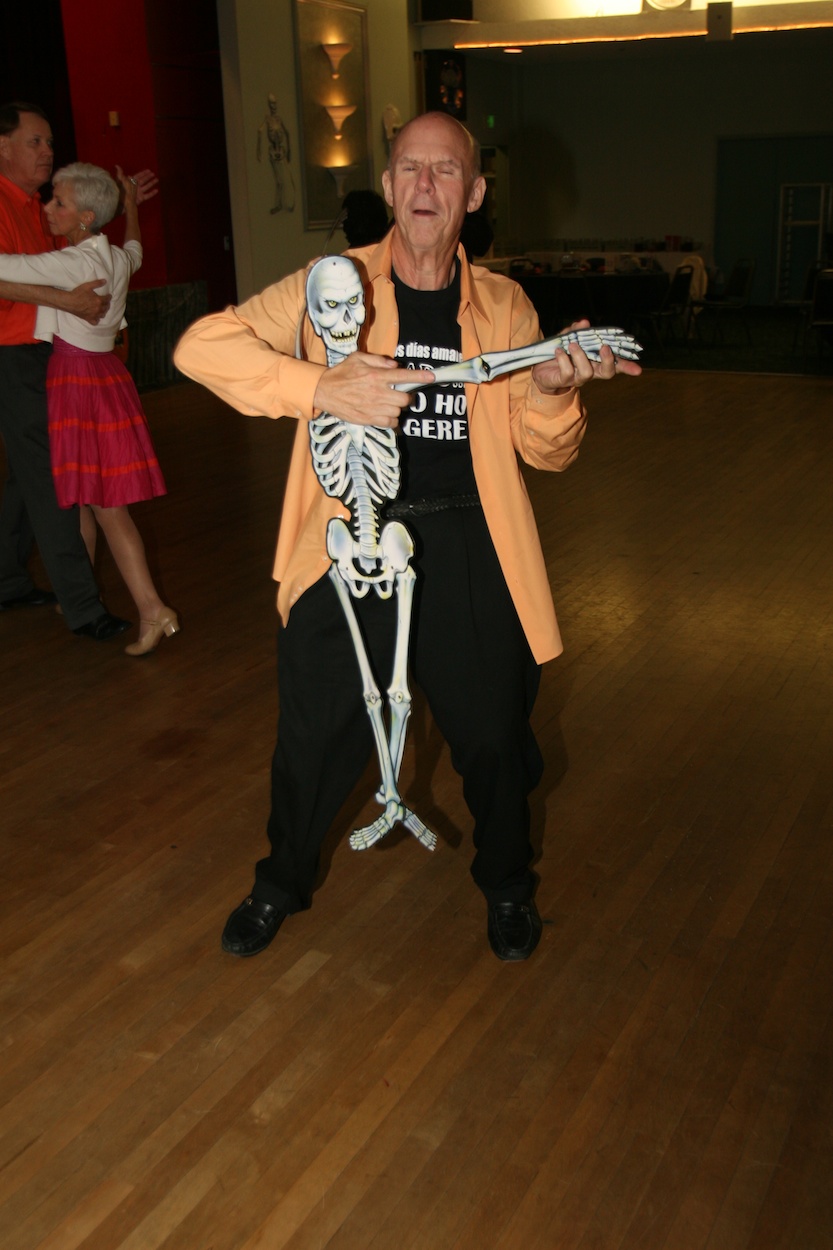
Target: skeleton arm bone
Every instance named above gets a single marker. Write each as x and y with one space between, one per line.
493 364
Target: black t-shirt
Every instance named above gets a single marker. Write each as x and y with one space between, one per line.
434 431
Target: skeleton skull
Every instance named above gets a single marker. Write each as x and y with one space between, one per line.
335 300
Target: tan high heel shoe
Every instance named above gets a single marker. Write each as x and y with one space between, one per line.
168 623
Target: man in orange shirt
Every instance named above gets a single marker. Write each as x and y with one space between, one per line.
483 615
29 511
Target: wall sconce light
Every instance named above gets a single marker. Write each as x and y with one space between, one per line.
339 175
338 115
336 52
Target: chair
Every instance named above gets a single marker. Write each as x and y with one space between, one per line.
675 309
804 307
820 319
733 300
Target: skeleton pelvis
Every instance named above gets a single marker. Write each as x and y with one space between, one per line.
368 564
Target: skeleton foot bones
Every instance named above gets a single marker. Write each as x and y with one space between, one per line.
359 464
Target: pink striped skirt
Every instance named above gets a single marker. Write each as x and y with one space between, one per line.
98 434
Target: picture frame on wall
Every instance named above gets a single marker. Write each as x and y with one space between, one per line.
333 105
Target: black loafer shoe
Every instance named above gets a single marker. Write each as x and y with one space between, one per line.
514 929
36 598
102 628
251 927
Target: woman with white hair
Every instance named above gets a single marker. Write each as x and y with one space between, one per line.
102 455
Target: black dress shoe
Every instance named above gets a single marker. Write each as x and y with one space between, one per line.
251 927
36 598
102 628
514 929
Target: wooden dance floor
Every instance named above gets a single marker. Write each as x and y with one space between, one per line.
657 1077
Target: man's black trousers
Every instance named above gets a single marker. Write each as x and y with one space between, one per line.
29 511
470 657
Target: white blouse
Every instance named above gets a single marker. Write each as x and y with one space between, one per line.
67 269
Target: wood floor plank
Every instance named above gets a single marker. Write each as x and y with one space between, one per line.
658 1077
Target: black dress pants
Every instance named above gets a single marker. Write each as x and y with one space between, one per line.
470 657
29 510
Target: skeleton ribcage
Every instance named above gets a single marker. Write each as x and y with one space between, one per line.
355 462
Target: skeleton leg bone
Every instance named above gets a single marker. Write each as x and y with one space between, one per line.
397 547
399 696
395 810
399 699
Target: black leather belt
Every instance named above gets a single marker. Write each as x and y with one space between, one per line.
424 507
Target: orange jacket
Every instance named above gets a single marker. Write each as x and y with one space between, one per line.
246 355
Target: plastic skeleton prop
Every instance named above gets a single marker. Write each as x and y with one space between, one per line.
359 464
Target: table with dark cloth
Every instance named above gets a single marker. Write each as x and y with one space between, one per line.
615 299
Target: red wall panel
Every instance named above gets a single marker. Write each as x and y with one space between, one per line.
109 71
157 65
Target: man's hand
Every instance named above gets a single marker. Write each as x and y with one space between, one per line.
570 369
359 389
87 303
146 184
